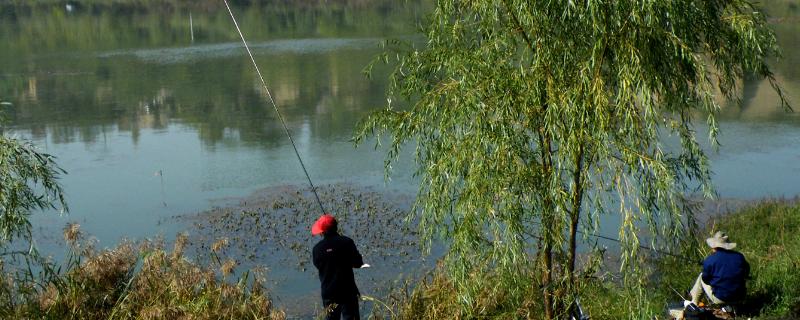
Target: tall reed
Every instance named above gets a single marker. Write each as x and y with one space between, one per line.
137 281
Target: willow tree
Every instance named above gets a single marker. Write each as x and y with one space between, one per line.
28 182
531 119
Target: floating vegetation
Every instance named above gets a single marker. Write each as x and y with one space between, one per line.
272 228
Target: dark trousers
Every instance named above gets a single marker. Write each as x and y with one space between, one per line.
345 309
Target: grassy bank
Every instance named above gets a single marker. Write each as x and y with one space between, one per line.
145 281
134 281
767 234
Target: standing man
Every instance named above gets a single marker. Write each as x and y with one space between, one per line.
335 256
724 273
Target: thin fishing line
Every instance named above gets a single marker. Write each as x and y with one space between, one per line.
676 292
272 101
163 194
619 241
640 246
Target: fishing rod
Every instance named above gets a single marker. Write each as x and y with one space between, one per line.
640 246
275 106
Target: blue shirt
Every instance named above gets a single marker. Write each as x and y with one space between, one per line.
726 271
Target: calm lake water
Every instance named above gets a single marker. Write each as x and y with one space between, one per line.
151 125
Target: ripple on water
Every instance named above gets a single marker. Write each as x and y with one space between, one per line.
221 50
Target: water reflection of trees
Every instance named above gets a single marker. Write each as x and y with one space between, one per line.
76 96
759 101
216 97
58 85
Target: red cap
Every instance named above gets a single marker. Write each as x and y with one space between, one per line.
325 222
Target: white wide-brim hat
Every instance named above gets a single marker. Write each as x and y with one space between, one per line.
720 240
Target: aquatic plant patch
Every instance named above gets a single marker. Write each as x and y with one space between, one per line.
272 229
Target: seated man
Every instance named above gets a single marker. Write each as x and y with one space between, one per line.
724 273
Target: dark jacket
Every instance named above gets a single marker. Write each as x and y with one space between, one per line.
335 256
726 271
